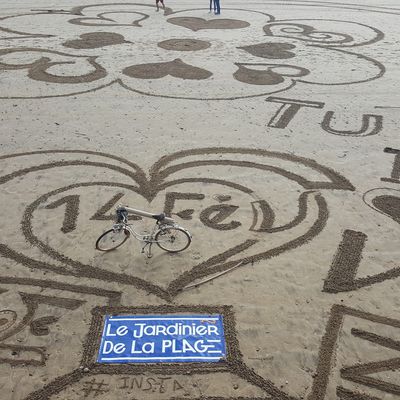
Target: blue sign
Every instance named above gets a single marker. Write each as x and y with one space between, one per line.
162 338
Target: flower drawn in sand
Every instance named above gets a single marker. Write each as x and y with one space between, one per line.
185 54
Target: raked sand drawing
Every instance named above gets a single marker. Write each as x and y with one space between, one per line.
270 132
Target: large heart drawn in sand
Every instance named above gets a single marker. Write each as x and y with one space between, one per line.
94 40
185 167
176 68
197 24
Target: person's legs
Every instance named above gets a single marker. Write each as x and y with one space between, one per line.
217 7
160 1
213 5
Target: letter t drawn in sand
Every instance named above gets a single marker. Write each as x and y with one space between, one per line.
395 175
288 109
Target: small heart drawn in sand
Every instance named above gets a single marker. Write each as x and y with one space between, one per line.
197 24
389 205
40 326
176 68
113 19
270 50
7 319
268 75
94 40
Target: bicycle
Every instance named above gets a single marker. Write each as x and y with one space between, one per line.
168 235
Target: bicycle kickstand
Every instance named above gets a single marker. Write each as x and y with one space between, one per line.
148 253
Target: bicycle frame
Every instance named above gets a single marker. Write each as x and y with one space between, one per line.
147 214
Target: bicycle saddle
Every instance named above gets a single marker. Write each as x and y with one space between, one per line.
159 217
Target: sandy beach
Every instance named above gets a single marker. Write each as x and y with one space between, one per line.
269 132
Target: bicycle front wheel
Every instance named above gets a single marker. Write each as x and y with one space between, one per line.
112 239
173 240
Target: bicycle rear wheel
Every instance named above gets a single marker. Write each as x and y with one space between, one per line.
112 239
173 240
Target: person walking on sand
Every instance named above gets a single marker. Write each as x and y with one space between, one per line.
162 3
